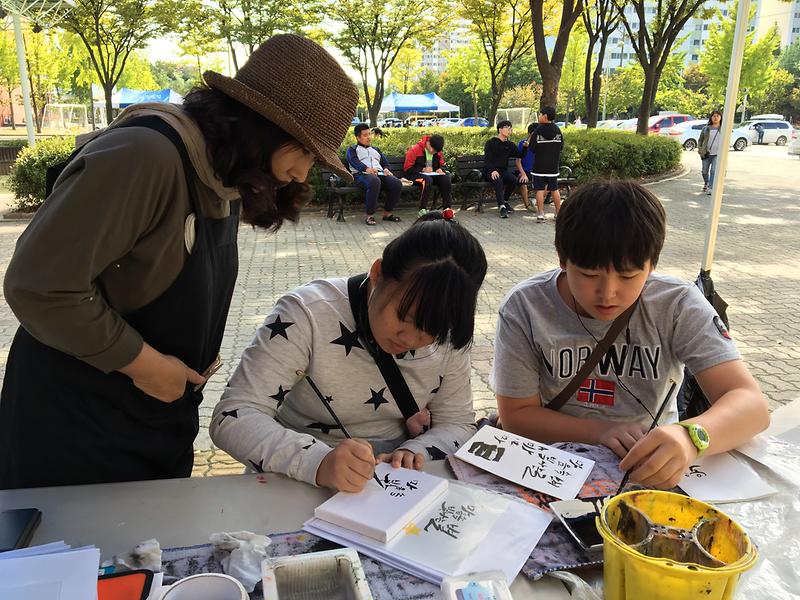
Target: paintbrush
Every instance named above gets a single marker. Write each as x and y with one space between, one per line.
327 405
652 426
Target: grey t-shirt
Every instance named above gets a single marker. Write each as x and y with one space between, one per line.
541 344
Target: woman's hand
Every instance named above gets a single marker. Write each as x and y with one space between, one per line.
403 458
348 467
660 458
621 437
161 376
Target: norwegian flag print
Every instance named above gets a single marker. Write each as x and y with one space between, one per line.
597 391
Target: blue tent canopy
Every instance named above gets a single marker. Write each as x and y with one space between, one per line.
128 96
429 102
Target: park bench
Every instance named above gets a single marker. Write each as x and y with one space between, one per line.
469 177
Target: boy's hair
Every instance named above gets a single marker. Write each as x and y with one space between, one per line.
359 128
442 266
377 131
617 223
502 124
549 112
437 142
532 128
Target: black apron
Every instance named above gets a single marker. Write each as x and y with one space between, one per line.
63 422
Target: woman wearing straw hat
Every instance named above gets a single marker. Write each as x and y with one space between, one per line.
123 280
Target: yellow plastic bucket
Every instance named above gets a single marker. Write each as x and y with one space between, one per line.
664 546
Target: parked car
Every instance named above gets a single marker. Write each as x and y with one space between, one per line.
355 121
776 131
658 122
608 124
794 146
473 122
687 135
390 122
448 122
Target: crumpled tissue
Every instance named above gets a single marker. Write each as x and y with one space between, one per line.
245 552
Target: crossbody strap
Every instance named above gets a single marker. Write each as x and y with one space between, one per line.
386 364
599 351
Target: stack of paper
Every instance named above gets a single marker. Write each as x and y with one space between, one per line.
533 465
50 572
466 529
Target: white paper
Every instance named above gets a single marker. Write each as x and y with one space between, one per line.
779 455
721 478
528 463
381 512
468 530
67 575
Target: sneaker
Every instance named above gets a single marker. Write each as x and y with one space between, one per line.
392 218
705 188
508 207
422 212
370 220
540 218
708 192
503 212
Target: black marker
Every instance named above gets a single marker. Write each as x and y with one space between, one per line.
327 405
655 422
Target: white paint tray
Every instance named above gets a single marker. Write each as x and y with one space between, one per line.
331 575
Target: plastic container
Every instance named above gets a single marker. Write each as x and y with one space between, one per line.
487 585
330 575
662 546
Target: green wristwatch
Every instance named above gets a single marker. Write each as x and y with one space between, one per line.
698 435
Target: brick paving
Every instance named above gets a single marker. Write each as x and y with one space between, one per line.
755 270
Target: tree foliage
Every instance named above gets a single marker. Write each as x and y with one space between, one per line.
374 32
758 61
504 32
406 69
600 20
573 73
9 70
467 65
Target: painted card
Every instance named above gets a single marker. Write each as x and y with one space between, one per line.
722 478
467 530
533 465
381 511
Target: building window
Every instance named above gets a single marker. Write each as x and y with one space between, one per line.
694 57
705 26
725 13
698 28
696 43
614 55
795 29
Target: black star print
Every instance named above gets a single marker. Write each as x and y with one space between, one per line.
279 328
435 453
377 398
281 395
311 444
436 389
258 466
456 444
348 339
228 413
323 427
403 354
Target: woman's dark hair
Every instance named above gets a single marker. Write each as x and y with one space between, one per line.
442 266
712 113
240 145
617 223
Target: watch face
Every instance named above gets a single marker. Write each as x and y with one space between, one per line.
701 434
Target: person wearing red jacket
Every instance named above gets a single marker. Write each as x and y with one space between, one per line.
424 165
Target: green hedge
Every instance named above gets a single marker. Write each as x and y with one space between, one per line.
27 179
13 143
590 153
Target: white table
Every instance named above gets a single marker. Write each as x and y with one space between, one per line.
183 512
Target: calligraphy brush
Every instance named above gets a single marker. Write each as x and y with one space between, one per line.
326 404
652 426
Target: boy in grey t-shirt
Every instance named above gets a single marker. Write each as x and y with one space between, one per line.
608 238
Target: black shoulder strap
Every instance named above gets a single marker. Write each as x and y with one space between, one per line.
150 122
386 363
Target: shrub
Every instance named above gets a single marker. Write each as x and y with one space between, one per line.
590 153
14 143
27 179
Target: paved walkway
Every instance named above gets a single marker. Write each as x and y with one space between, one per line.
756 271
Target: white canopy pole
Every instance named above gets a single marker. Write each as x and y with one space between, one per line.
30 125
740 35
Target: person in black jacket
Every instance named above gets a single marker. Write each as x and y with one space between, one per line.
496 154
546 144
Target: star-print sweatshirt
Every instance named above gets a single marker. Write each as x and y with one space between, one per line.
272 420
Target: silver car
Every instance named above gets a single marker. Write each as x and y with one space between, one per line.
687 135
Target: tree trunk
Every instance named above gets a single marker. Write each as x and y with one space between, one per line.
475 105
11 108
493 109
648 93
108 89
588 88
550 83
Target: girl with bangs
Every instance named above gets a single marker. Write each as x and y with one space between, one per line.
386 350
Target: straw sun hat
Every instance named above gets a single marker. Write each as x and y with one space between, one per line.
301 88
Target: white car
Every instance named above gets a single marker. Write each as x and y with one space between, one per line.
687 135
794 147
390 122
776 131
608 124
448 122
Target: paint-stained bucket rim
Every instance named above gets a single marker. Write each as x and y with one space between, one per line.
691 570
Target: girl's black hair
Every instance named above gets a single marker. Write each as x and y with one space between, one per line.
241 144
712 113
442 266
617 223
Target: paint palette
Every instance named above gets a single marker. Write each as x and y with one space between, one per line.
578 516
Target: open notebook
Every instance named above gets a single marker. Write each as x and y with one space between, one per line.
381 512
